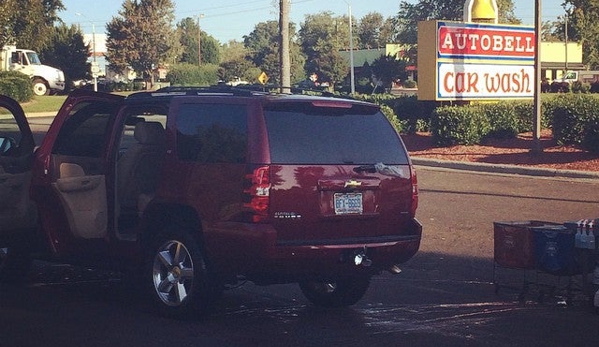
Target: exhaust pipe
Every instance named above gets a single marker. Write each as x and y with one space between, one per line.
394 269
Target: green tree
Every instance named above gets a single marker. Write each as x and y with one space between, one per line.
238 68
582 27
388 68
262 45
406 21
235 63
68 52
370 28
28 23
321 37
210 47
7 18
142 37
387 32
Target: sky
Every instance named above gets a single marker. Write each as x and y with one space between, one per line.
232 19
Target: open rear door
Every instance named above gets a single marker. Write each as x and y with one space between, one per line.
71 169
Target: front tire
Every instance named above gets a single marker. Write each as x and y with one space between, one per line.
179 276
340 293
40 87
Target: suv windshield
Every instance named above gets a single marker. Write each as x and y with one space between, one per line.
305 135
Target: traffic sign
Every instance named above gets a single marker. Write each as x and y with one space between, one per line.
263 78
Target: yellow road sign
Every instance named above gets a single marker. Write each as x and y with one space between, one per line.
263 78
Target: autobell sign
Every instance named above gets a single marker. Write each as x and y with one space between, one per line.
468 41
469 61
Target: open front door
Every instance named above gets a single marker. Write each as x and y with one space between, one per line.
71 171
16 149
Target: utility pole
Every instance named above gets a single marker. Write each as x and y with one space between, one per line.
536 133
566 41
285 64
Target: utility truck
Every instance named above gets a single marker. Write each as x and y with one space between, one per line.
585 76
45 79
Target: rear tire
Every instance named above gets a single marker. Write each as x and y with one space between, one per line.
340 293
178 275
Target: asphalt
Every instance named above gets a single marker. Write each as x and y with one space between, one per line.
469 166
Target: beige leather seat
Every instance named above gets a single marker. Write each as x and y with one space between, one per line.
140 166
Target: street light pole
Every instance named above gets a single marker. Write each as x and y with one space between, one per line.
200 40
95 62
351 52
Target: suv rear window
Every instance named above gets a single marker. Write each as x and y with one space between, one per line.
305 134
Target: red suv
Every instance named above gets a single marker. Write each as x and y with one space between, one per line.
197 188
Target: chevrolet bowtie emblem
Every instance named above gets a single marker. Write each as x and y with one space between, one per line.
352 184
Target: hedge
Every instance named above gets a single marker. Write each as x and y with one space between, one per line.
191 75
453 125
16 85
575 121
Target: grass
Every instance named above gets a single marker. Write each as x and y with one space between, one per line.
47 103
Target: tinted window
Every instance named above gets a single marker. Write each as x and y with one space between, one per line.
84 132
318 135
212 133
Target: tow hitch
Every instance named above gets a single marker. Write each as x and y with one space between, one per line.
360 258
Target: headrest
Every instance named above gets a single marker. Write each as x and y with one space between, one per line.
149 133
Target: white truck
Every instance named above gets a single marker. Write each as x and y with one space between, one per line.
585 76
45 79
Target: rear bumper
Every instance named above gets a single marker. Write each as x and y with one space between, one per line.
262 259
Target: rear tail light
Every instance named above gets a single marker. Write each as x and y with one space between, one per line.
414 191
259 194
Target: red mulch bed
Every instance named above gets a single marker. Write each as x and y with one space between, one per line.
515 151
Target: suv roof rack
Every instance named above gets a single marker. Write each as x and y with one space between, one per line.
222 89
216 89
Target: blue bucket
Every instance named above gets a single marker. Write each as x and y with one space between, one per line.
554 250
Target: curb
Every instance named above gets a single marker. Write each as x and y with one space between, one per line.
40 114
505 169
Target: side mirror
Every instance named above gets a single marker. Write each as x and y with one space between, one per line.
6 144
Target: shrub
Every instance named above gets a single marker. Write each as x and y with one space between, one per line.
409 84
502 120
560 87
459 125
16 85
415 113
575 121
392 117
581 87
191 75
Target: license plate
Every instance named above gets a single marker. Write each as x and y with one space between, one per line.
348 203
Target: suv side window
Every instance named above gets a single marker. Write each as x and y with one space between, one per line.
84 131
212 133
